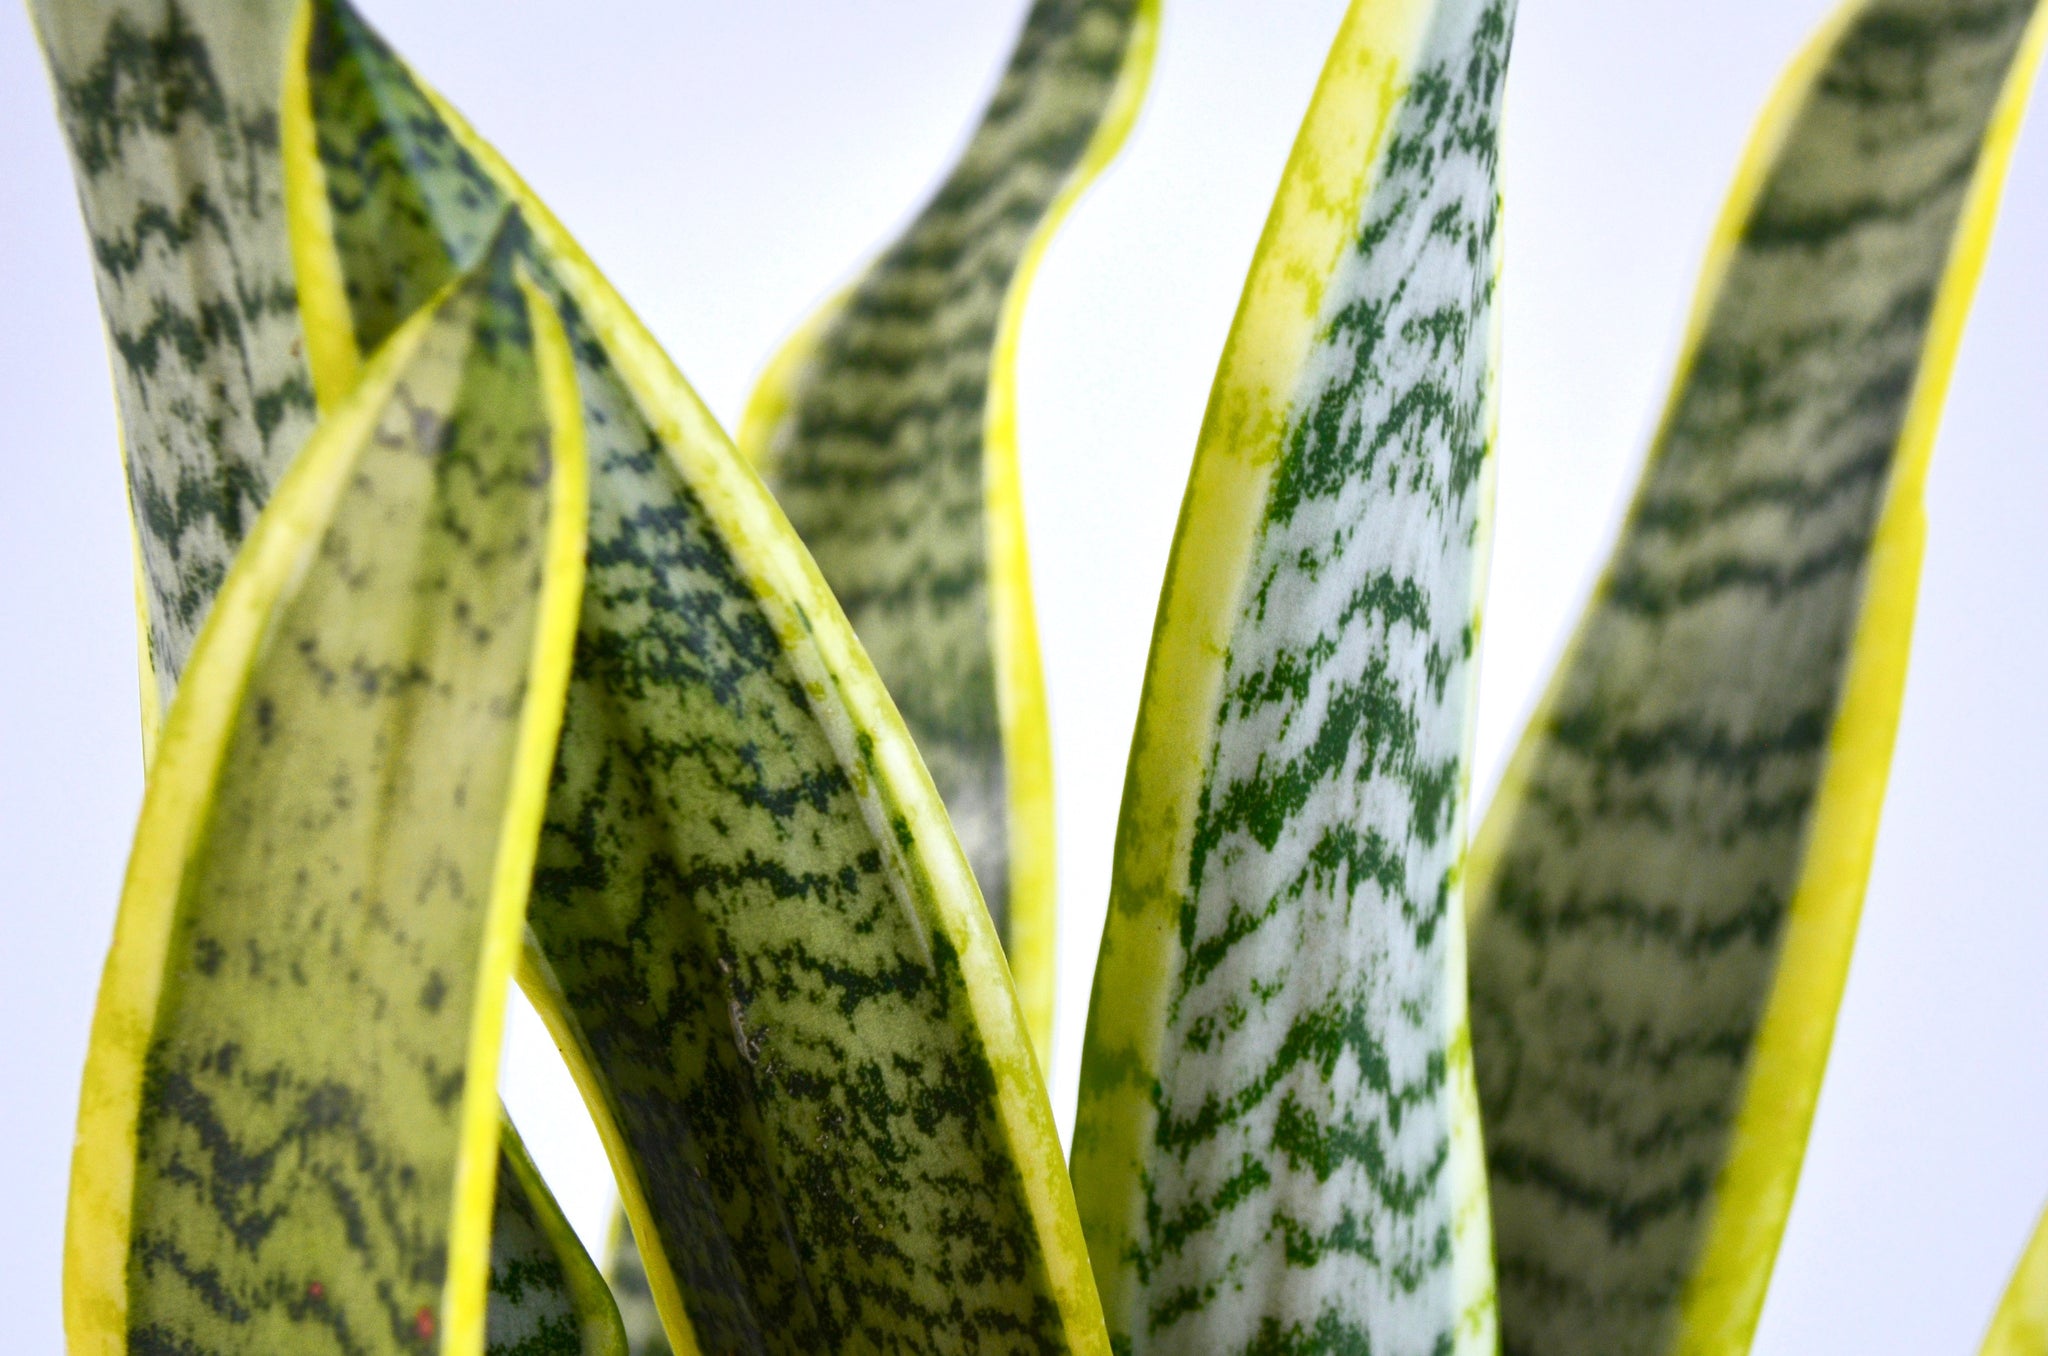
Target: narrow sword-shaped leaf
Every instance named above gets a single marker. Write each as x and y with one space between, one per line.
1665 890
546 1296
170 113
752 930
887 428
288 1134
1277 1148
2020 1327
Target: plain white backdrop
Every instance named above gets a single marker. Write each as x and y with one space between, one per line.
727 165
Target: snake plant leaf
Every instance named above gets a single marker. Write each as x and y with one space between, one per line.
1665 890
1277 1146
2020 1327
751 930
288 1135
887 428
169 110
546 1296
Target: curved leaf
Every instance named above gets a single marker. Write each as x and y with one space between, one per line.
1665 890
289 1125
751 930
1277 1148
887 428
546 1297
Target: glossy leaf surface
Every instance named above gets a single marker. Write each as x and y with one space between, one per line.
887 429
1666 889
1277 1147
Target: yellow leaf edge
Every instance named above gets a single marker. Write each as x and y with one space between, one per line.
1330 170
1032 946
850 702
1724 1294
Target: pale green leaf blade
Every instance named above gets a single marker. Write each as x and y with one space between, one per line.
169 110
1665 890
887 429
753 933
288 1131
1277 1147
546 1296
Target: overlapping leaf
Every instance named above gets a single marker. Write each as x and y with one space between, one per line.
1277 1147
288 1136
887 429
1666 889
751 927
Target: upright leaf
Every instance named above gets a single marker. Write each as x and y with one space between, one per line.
1666 888
288 1135
1277 1148
752 930
888 429
170 111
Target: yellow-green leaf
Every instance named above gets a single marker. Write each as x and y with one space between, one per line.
288 1134
887 428
752 930
1278 1147
1666 888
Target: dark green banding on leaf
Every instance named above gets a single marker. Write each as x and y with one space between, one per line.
1667 886
1277 1143
749 929
170 111
546 1297
891 447
297 1035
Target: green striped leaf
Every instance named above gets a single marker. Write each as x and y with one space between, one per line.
887 428
1277 1148
1666 888
288 1136
751 930
546 1296
2020 1327
170 108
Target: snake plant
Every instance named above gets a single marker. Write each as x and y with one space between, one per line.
474 650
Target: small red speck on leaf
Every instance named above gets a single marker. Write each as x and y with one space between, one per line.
423 1324
316 1292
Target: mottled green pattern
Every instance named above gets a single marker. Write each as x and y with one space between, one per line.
744 952
297 1139
1632 928
781 1036
879 461
1298 1194
170 108
546 1298
410 206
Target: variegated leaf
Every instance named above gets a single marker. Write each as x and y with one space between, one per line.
887 428
288 1136
1665 891
752 930
1277 1147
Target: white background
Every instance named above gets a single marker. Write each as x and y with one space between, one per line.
728 164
